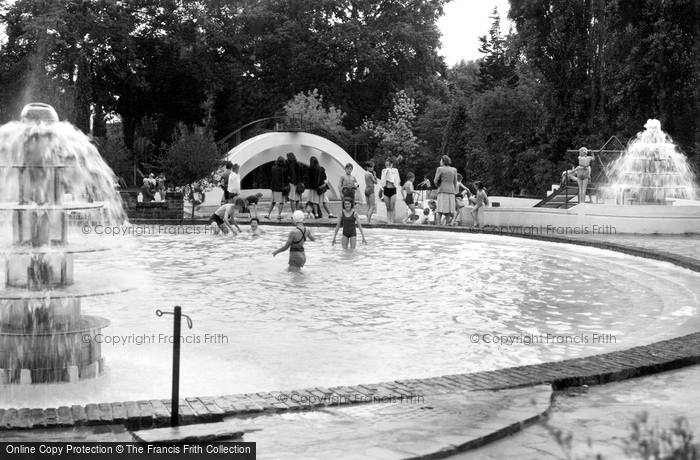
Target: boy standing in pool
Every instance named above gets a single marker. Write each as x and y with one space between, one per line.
348 183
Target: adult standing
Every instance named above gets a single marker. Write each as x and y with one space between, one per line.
224 180
293 178
446 180
317 178
146 193
234 183
160 186
278 182
295 242
390 182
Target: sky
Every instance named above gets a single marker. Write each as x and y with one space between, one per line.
462 25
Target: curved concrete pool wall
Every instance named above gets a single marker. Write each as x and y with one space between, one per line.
599 219
598 369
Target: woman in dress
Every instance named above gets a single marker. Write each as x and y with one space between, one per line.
446 181
277 183
317 177
390 183
293 171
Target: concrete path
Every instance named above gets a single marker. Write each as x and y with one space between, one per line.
603 416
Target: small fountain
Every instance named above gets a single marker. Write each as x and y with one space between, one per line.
49 172
651 171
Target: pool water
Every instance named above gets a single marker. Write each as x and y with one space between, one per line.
407 305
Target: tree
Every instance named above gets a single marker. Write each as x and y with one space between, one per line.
309 108
193 156
496 67
82 97
395 135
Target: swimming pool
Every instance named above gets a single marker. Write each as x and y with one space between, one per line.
408 305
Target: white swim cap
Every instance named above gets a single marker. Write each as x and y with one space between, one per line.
298 216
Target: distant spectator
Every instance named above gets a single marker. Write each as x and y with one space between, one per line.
293 171
480 200
224 180
234 183
160 186
390 183
146 192
251 203
317 178
370 182
408 197
278 183
446 181
348 184
459 199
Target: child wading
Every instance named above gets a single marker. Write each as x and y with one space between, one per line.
348 219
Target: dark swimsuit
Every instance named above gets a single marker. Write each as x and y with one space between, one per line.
303 238
348 225
389 192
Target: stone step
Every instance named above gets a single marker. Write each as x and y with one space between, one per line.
202 432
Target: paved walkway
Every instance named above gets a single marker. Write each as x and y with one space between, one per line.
603 416
455 413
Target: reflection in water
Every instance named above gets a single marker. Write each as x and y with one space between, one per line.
407 305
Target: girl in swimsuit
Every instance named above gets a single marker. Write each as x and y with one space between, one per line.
295 242
370 182
348 219
581 173
390 183
480 200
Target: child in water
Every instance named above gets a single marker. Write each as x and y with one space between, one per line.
255 229
348 219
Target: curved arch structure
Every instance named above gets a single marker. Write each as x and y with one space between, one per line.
267 147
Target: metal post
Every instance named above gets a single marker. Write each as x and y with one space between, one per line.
566 191
175 397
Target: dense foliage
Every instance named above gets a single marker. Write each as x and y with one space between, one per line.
572 72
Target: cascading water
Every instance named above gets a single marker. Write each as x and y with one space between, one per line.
49 171
651 170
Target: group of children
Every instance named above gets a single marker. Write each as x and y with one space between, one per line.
479 200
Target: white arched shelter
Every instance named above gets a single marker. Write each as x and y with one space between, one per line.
267 147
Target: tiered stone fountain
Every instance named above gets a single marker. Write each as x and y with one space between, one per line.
43 335
651 171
